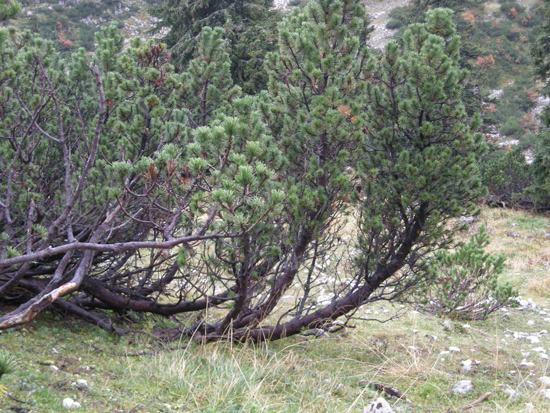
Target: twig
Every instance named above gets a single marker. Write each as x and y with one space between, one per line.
17 400
390 391
134 408
473 404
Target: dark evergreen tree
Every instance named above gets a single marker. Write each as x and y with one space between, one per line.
507 176
541 170
146 190
249 28
541 49
541 60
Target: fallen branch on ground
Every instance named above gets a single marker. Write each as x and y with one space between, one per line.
473 404
390 391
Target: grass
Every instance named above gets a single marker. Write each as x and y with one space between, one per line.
332 374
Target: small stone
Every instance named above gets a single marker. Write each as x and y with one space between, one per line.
545 381
82 384
511 393
531 323
454 350
545 393
380 405
543 356
54 351
447 325
466 366
432 337
533 339
539 350
463 387
70 404
466 326
167 406
526 364
54 369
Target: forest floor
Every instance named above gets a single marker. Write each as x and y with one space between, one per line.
420 355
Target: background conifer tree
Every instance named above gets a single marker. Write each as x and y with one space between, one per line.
249 28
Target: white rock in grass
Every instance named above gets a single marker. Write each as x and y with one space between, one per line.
533 339
526 364
380 405
531 323
70 404
466 366
545 393
539 350
543 356
53 368
545 381
82 384
463 387
511 393
454 350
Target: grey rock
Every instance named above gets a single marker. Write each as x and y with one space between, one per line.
526 364
463 387
380 405
511 393
466 366
70 404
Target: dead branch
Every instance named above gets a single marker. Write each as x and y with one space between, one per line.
473 404
390 391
